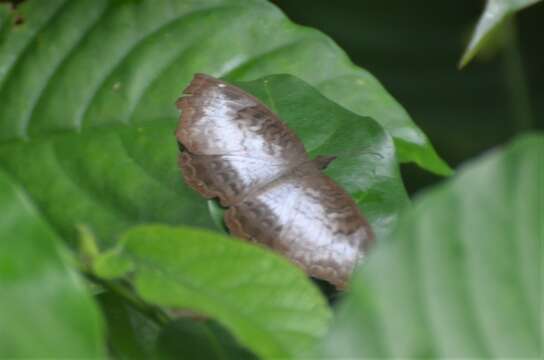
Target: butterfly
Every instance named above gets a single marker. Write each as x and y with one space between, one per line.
237 150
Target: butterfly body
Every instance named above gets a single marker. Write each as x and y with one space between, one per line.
237 150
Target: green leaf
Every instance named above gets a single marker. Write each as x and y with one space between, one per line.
186 338
112 179
268 304
131 335
495 13
460 277
363 94
124 176
80 64
45 311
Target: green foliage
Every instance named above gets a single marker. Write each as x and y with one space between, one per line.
86 64
269 305
460 277
131 334
97 126
195 339
494 15
87 115
45 311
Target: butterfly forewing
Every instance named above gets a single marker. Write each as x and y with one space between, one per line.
233 143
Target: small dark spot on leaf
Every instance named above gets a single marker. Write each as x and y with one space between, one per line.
19 20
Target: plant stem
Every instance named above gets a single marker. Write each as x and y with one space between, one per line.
516 81
155 314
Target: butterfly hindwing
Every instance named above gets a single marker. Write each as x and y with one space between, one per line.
308 218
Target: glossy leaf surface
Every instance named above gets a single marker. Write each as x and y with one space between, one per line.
75 65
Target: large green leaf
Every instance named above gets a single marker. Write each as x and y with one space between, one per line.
121 176
267 303
461 277
107 179
496 11
45 311
77 64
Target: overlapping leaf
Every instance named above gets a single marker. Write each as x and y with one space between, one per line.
461 277
186 338
267 303
131 334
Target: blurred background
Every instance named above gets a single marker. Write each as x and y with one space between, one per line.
413 48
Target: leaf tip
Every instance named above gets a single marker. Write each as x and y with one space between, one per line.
88 248
112 264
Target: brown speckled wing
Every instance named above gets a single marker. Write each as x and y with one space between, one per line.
307 217
232 142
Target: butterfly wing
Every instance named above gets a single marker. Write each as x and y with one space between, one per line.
309 219
233 142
